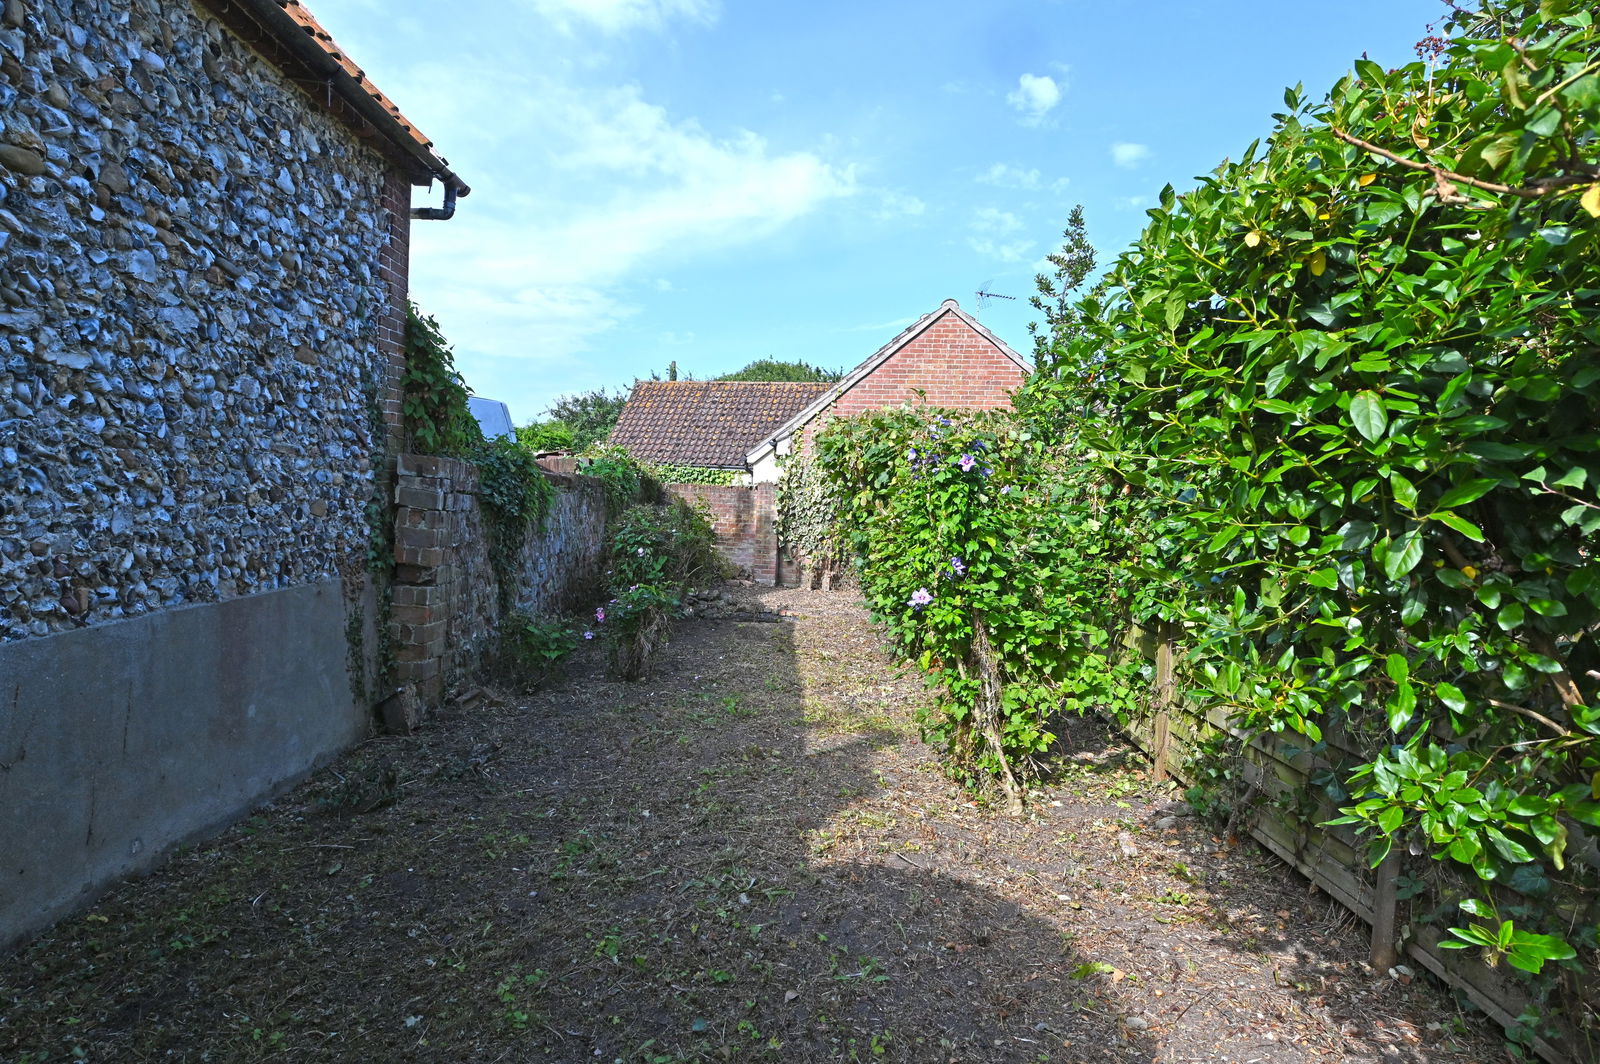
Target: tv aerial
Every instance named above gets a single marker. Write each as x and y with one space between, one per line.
984 295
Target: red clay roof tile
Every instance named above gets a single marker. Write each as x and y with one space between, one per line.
707 423
297 11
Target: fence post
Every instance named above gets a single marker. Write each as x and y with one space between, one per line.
1162 729
1383 955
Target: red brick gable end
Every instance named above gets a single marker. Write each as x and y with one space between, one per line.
947 356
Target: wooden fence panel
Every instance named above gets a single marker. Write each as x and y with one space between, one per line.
1286 816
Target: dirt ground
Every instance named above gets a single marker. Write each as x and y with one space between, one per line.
748 856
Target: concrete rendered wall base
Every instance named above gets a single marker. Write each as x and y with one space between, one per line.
120 741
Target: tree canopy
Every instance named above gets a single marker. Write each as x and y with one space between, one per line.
768 369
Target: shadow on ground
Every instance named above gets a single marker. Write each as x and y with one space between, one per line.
747 856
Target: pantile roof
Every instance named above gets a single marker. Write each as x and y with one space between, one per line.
308 22
708 423
288 35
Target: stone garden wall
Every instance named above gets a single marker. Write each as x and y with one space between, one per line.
447 604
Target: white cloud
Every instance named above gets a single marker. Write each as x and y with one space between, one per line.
1128 155
530 275
1001 250
991 228
994 221
893 205
1035 96
633 186
1004 176
615 16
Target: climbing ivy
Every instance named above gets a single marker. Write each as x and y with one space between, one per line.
434 403
516 497
808 513
514 492
669 473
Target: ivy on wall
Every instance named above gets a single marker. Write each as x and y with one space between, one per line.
808 513
434 403
514 491
669 473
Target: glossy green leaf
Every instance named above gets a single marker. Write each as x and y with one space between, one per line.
1460 524
1404 554
1368 415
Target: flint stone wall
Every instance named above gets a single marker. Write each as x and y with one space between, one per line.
202 292
191 303
446 611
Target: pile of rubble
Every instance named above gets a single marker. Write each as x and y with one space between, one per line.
720 604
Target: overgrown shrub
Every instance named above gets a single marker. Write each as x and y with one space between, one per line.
624 479
1352 384
1335 415
637 620
669 543
657 552
530 647
965 554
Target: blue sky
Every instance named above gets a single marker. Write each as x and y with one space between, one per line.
714 181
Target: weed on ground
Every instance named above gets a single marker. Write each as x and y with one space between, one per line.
746 856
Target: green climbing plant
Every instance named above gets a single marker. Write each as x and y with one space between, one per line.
514 492
1355 378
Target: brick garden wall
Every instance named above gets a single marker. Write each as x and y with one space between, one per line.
446 609
744 518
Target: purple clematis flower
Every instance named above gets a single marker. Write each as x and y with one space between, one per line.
921 597
588 635
911 455
958 566
600 615
966 462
